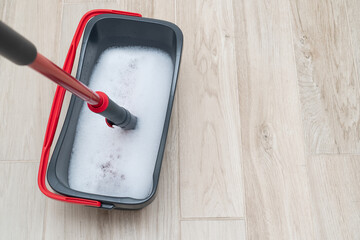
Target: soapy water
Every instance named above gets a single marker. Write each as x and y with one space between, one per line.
112 161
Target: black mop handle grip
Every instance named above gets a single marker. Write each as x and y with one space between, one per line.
15 47
114 114
119 116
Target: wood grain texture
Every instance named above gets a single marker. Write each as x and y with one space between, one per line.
213 230
159 9
328 80
25 95
22 204
277 194
210 155
353 17
264 87
335 190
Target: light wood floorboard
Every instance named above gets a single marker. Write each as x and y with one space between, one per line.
328 80
276 182
209 122
335 191
213 230
353 18
22 207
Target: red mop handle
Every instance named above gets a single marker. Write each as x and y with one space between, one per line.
22 52
44 66
98 102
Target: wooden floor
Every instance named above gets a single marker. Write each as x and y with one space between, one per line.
264 141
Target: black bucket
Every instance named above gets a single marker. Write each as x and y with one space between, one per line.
102 32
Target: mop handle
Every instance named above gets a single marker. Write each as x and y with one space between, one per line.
21 51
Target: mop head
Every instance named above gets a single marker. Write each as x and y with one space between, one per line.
112 161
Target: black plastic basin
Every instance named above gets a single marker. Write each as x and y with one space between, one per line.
102 32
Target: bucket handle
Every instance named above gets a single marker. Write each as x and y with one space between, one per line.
56 109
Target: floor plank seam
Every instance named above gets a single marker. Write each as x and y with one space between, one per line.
212 219
178 145
241 140
61 24
297 83
19 161
76 3
241 149
44 219
351 39
3 12
59 61
334 154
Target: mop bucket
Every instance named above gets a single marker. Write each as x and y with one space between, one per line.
103 29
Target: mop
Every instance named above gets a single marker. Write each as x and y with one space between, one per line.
21 51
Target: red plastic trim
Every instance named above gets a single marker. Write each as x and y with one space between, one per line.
108 123
56 109
102 106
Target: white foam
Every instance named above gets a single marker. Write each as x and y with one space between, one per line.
115 162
